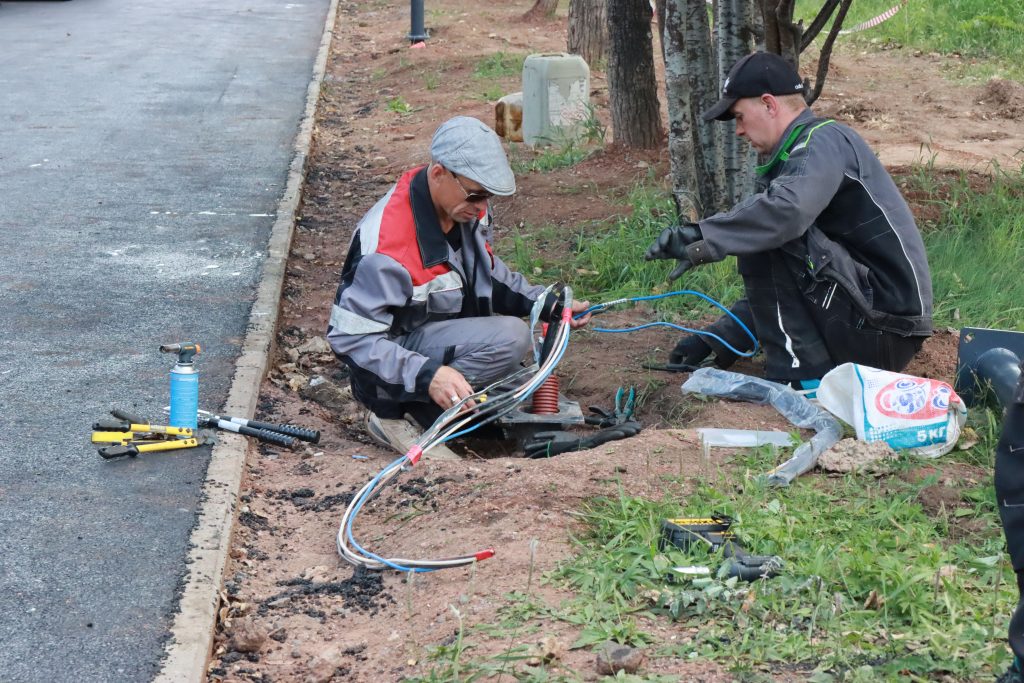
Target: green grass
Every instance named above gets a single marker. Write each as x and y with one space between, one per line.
988 29
398 105
873 585
563 149
499 65
975 248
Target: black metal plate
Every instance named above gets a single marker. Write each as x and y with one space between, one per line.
975 341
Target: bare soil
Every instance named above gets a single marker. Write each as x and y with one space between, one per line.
292 611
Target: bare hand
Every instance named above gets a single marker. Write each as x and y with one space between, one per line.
579 307
448 387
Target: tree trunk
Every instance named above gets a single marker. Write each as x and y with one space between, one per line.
733 31
691 86
632 88
542 9
588 30
781 35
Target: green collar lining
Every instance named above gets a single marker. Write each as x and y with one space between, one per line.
787 146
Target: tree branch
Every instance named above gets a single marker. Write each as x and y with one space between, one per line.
819 23
826 50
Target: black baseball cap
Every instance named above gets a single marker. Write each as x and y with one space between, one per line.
761 73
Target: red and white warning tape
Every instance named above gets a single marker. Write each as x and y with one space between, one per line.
871 23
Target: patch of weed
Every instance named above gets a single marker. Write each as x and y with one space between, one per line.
398 105
499 65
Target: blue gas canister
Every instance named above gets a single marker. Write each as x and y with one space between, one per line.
184 385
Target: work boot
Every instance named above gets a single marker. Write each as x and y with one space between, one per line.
400 435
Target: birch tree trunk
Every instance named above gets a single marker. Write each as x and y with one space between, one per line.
733 31
588 30
691 85
632 88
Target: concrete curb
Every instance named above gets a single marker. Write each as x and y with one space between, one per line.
188 651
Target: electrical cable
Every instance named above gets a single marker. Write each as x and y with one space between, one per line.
491 403
600 308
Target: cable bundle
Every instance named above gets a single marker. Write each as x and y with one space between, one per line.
492 402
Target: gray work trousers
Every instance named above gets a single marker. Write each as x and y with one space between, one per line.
483 349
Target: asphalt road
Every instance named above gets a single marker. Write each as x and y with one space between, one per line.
143 148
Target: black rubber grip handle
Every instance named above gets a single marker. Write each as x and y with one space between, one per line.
260 434
125 415
268 436
310 435
111 426
111 452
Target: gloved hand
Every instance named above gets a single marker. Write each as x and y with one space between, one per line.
692 350
546 444
683 242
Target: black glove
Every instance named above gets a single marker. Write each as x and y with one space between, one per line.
546 444
692 350
682 242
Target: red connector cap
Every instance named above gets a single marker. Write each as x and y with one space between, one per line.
414 454
566 315
484 554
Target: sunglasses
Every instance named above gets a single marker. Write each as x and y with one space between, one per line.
472 197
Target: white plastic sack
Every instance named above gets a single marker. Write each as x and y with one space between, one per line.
921 415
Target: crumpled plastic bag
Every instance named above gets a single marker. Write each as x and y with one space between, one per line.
916 414
792 406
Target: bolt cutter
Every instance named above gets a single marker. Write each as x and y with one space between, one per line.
134 436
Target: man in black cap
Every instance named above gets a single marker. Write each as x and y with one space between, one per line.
833 265
425 311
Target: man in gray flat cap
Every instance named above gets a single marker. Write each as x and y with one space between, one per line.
425 311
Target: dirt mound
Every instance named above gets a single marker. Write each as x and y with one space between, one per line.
1003 98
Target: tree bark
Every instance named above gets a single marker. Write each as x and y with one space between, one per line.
733 31
826 52
632 88
691 85
542 9
588 30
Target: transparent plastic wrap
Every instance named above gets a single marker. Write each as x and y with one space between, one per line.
789 402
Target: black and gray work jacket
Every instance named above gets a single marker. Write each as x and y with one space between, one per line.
824 195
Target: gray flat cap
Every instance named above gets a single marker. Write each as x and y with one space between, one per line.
469 148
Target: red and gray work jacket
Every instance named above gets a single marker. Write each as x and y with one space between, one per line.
402 272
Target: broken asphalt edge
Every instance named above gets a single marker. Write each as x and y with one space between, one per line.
187 653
